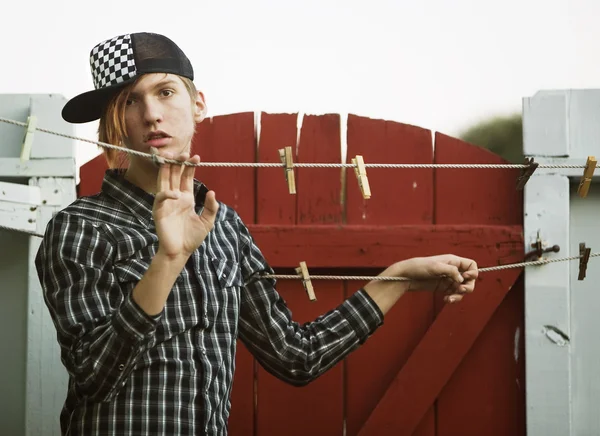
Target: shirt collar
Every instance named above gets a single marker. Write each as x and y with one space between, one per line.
138 201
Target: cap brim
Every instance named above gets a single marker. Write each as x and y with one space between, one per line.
89 106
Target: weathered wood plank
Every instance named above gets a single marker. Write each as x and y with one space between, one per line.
14 167
319 189
437 356
229 138
47 379
545 131
318 197
401 206
275 205
17 193
474 196
547 303
585 322
399 196
561 123
498 338
355 246
47 109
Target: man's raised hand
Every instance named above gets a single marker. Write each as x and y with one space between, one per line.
180 230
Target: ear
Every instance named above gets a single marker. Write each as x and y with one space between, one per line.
200 109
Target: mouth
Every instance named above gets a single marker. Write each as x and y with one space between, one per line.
157 139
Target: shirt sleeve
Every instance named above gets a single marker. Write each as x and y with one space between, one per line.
101 330
297 353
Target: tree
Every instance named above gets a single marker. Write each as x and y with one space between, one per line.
502 135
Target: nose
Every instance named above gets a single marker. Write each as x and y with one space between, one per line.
152 112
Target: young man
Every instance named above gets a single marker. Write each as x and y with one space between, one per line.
151 281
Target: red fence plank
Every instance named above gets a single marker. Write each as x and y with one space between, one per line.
490 380
91 175
318 407
437 356
353 246
319 189
274 202
474 196
229 138
399 198
487 197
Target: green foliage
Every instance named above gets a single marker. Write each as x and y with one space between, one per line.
501 135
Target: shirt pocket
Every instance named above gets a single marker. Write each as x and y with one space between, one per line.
228 272
131 270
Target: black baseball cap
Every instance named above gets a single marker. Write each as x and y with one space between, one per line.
118 62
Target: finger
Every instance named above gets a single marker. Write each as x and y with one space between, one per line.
187 178
467 266
454 298
164 175
176 171
211 207
452 287
471 275
449 271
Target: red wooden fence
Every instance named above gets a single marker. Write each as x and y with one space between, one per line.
432 369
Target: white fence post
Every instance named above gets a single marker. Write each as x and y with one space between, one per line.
32 189
558 127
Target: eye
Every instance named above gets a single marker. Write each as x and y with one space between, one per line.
166 92
129 102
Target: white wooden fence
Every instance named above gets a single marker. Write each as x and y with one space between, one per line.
33 185
562 321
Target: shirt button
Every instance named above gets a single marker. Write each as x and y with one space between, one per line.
203 350
121 367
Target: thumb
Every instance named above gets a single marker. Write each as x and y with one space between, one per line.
211 207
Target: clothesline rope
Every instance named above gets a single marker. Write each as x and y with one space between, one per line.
384 278
295 165
387 278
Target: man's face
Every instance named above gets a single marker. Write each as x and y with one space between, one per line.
159 113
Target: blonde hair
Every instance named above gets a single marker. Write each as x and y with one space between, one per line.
112 128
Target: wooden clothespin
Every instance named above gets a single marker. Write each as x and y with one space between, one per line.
302 270
361 174
28 140
526 173
285 154
583 260
586 180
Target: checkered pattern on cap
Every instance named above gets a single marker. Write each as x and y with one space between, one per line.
112 62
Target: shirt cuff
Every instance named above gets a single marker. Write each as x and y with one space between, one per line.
363 314
130 321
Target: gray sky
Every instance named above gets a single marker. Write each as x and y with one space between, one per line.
438 64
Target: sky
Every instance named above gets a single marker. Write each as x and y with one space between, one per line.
439 64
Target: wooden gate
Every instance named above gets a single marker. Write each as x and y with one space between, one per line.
431 369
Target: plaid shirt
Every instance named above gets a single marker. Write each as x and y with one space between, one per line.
171 374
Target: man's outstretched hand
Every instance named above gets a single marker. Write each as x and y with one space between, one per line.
453 275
